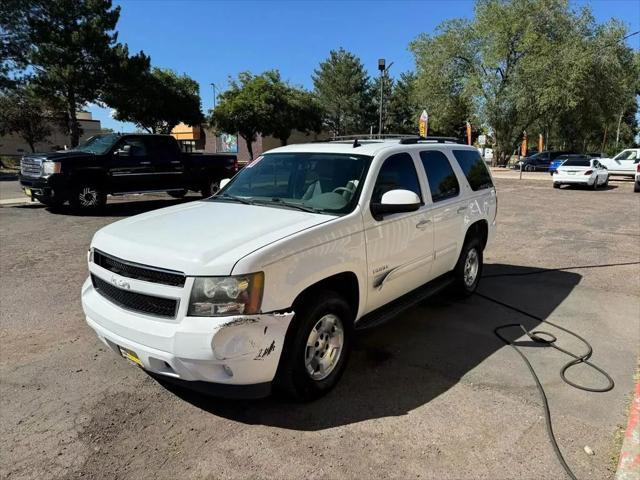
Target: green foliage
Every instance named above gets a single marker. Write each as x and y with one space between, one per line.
532 65
343 89
264 104
24 114
402 111
158 99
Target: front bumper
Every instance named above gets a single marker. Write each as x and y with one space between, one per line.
49 188
231 352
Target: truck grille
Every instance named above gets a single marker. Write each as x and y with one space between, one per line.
31 167
137 271
138 302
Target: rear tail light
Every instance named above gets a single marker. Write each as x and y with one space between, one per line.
588 172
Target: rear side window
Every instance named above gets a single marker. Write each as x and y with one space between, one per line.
474 169
442 181
397 172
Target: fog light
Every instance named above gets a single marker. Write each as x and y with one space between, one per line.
228 370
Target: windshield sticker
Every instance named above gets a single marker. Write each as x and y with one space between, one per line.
255 162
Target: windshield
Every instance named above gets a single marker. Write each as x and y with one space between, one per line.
577 162
320 182
627 155
98 144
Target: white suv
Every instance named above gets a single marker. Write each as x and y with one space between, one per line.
265 283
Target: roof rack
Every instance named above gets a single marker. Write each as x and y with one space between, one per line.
416 139
369 136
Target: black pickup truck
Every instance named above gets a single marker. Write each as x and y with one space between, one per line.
115 164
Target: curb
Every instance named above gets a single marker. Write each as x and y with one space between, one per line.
11 202
629 465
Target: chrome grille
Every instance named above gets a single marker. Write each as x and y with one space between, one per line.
31 167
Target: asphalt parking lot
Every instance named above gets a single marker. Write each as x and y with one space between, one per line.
433 394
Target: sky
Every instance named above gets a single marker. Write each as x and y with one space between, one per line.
210 40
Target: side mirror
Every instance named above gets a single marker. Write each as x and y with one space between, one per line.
395 201
224 181
125 151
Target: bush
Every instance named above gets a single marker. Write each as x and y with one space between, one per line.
10 162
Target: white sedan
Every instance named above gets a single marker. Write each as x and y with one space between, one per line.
581 171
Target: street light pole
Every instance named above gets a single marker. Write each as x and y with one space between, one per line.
383 72
213 85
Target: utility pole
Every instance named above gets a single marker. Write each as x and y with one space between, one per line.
213 85
383 72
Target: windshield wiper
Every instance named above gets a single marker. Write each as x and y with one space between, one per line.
298 206
233 198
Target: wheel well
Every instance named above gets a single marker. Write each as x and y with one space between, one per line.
345 284
479 229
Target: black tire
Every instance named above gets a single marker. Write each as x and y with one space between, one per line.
210 188
556 185
595 184
177 193
462 285
88 197
292 377
636 187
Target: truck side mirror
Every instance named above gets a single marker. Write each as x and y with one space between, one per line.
224 181
123 151
395 201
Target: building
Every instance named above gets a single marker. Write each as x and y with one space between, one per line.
202 139
14 146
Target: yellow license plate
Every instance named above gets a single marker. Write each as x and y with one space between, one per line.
27 192
130 355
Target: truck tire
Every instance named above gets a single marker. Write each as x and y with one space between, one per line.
88 197
316 347
177 193
468 270
211 188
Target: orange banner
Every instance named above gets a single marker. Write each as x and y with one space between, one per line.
523 149
540 142
468 133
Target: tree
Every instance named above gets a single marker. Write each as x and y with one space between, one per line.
344 91
522 65
245 107
23 113
403 111
158 99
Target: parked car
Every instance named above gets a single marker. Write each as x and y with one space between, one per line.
636 185
539 161
553 166
581 171
264 283
115 164
623 163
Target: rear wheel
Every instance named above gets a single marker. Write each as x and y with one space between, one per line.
595 184
636 187
316 348
211 188
556 185
468 270
87 198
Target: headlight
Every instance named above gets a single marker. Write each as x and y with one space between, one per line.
49 167
220 296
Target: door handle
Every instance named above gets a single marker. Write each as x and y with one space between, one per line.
461 209
423 223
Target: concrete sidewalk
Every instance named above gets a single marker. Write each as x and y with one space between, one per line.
629 465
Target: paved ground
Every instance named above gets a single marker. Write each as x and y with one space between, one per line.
432 395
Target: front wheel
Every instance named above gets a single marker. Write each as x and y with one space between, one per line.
316 348
88 198
210 188
468 270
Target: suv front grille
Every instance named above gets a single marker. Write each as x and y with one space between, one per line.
137 271
138 302
31 167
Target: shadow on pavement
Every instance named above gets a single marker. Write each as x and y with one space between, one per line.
413 358
120 208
